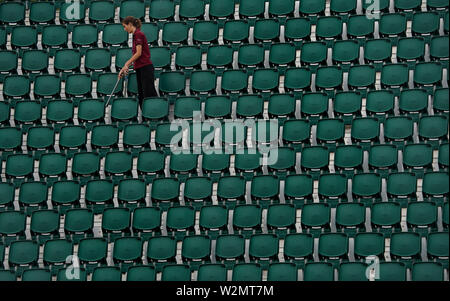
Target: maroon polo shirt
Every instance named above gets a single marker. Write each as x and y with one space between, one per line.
140 39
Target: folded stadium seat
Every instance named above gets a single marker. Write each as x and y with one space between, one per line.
198 191
247 272
206 33
85 165
385 217
330 132
19 167
297 80
315 160
213 220
161 250
105 84
352 271
433 129
216 165
383 159
343 7
236 32
425 24
384 6
411 50
437 247
55 253
392 271
264 249
164 137
127 252
231 190
105 273
281 219
247 220
101 11
176 272
92 252
267 31
438 5
161 11
36 274
7 192
407 5
180 221
329 79
146 222
329 29
188 58
97 61
78 224
427 271
175 34
131 192
78 86
59 112
264 189
393 26
160 56
151 32
439 50
65 17
99 195
196 251
172 84
281 106
368 244
12 226
366 188
35 62
281 9
298 248
52 167
221 10
165 192
332 188
183 166
23 254
251 10
394 77
312 8
151 164
402 186
46 86
218 107
428 75
10 140
67 61
318 271
84 36
219 58
405 247
105 137
23 37
118 164
378 51
72 139
348 159
297 30
134 8
435 187
212 272
44 225
191 10
16 87
136 137
380 104
8 63
418 158
314 54
314 105
42 13
141 273
124 110
422 217
399 129
345 53
124 53
251 56
443 156
361 78
296 132
247 162
413 102
185 107
350 218
62 275
155 110
12 13
248 106
265 81
316 218
333 248
298 189
360 28
65 194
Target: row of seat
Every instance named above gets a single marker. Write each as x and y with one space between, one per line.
313 271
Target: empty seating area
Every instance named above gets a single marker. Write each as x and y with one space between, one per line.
358 109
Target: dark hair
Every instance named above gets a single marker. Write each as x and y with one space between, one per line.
132 20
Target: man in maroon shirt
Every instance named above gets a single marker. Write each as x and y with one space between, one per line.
141 60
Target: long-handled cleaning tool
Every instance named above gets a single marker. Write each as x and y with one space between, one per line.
112 92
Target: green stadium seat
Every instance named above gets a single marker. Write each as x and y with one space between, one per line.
52 166
236 32
161 57
443 156
105 137
343 7
332 188
176 272
366 187
398 129
318 271
314 53
425 23
265 80
151 32
218 107
352 271
266 31
296 133
403 5
402 185
437 247
67 60
405 246
196 250
162 10
212 272
123 54
247 219
281 9
188 57
105 84
206 32
34 61
183 165
172 83
361 77
23 253
11 139
131 192
106 274
36 275
12 13
433 128
47 86
329 28
60 112
348 159
315 159
56 251
231 189
192 9
8 63
360 27
116 223
99 195
7 192
79 223
413 102
428 74
418 158
427 271
164 136
213 220
435 186
175 33
230 249
136 136
45 224
92 252
141 273
392 271
263 248
12 226
198 190
394 76
124 110
65 15
333 247
422 217
345 53
24 37
101 11
221 10
161 249
234 81
316 218
281 106
248 162
151 163
135 8
97 60
313 105
312 7
369 244
62 275
72 138
127 252
351 217
251 9
85 35
186 106
251 56
155 110
65 194
16 87
180 221
281 218
78 85
42 12
439 49
297 30
219 56
383 158
90 111
298 247
380 103
297 80
85 164
330 132
265 188
377 50
247 272
384 6
411 49
215 165
19 166
386 217
165 190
